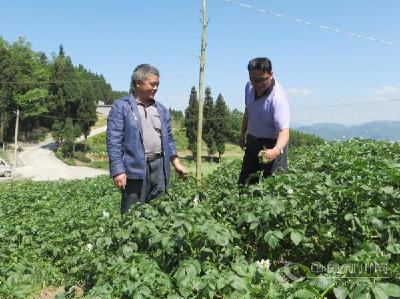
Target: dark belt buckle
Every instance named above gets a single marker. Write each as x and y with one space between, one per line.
153 156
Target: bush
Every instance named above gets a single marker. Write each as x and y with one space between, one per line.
80 156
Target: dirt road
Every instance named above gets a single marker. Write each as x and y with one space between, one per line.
41 164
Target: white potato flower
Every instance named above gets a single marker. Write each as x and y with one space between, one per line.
263 264
196 201
89 247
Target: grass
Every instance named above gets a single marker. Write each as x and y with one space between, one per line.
206 166
101 121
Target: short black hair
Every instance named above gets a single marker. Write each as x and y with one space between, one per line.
260 63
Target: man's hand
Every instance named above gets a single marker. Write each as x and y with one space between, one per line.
179 168
268 155
242 141
120 181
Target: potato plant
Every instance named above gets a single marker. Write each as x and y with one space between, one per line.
327 227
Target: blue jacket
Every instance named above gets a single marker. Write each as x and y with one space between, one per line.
125 139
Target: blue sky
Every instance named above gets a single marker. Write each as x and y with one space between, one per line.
321 70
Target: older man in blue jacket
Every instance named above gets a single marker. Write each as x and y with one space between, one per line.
140 143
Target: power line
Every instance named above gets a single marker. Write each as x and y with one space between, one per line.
51 82
11 117
221 118
348 104
66 117
315 25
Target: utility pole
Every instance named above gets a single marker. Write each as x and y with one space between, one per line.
201 95
16 140
2 131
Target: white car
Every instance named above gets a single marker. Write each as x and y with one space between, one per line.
5 169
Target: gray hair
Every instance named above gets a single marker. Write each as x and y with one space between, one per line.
260 63
141 73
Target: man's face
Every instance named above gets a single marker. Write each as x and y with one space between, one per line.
147 88
260 80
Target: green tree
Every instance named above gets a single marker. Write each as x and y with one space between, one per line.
116 94
32 105
86 113
6 76
234 125
210 123
176 115
191 115
64 89
65 134
221 133
298 138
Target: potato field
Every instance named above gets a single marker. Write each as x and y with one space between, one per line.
329 227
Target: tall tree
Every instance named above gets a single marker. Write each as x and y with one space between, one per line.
221 133
6 76
86 113
32 105
64 89
234 126
65 133
209 124
191 115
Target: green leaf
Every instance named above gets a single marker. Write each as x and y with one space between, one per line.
379 293
322 282
360 293
387 189
143 291
253 225
247 217
237 282
393 248
296 237
271 239
348 217
240 269
127 251
304 293
366 187
391 289
340 292
222 282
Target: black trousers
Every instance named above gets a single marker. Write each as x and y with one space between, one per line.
251 164
140 191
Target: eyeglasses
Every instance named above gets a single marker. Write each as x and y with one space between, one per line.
260 79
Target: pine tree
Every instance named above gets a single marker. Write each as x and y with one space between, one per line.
234 125
86 113
209 125
64 89
191 115
222 111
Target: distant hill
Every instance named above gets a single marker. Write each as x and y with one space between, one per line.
384 130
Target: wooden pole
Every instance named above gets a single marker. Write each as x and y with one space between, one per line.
2 131
201 95
16 140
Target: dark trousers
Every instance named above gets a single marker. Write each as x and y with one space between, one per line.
251 164
140 191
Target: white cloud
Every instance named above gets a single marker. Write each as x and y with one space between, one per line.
387 90
298 92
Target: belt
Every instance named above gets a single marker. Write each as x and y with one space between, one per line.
150 157
254 138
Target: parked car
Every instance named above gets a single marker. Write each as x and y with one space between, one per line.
5 169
